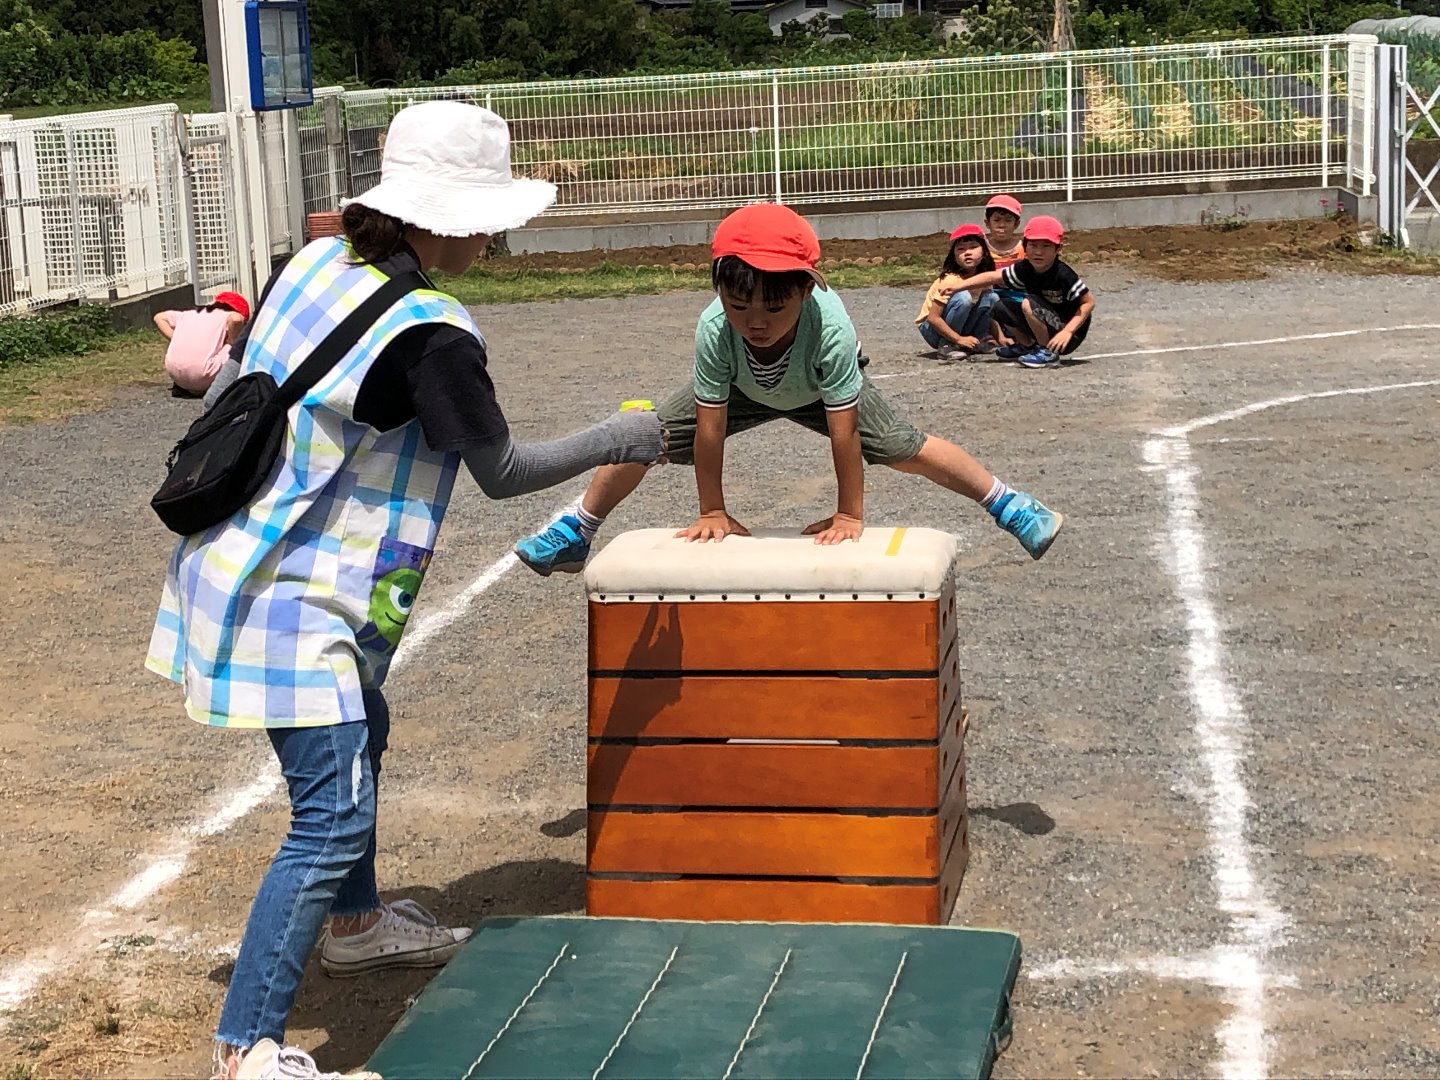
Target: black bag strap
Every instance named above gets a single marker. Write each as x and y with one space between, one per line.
344 337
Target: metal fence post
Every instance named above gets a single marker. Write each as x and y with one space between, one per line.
1325 119
294 181
1069 130
187 206
1398 123
77 233
775 129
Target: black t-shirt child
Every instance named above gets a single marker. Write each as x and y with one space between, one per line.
1060 286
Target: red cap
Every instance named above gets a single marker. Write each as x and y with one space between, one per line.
235 302
1005 202
968 230
769 237
1045 228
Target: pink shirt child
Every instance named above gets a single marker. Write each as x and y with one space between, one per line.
200 340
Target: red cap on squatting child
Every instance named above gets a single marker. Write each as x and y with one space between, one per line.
769 237
1008 203
1045 228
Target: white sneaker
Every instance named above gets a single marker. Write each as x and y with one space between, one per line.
407 936
267 1061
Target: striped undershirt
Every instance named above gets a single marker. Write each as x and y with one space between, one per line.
768 373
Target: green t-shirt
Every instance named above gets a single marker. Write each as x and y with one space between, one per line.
823 363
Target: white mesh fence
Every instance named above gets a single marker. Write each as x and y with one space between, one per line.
1056 123
1360 117
90 207
213 202
323 165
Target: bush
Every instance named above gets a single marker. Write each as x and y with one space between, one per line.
41 64
26 339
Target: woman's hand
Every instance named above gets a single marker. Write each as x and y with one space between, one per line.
835 529
713 525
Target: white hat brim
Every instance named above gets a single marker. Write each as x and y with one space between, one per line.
448 206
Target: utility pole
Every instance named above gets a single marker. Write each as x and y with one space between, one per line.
226 52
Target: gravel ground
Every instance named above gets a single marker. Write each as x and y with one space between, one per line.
1089 832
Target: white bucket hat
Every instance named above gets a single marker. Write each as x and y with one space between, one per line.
446 169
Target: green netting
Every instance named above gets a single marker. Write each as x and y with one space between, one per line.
579 997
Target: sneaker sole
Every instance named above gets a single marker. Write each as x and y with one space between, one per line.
425 958
546 571
1059 524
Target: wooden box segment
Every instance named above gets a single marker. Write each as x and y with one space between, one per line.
773 706
759 900
719 774
777 843
690 819
761 636
792 899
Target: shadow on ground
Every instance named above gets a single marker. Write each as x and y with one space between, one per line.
352 1016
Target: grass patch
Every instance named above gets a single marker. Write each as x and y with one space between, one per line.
131 943
493 282
66 385
28 339
32 112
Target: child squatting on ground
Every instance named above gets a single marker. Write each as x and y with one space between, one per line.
1054 317
200 341
960 324
777 342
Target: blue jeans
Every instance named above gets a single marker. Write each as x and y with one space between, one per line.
326 866
966 316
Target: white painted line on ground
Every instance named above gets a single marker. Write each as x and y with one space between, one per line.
22 978
427 628
1321 336
1181 431
1215 967
1221 728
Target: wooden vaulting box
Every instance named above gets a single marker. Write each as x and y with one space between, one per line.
776 730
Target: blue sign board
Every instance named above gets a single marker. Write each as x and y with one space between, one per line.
278 39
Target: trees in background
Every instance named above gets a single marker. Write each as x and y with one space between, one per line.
79 51
46 60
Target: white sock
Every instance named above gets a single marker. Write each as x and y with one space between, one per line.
998 490
589 523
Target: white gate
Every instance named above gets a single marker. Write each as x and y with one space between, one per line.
1406 195
213 227
90 207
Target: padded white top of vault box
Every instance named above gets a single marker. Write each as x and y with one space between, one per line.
885 563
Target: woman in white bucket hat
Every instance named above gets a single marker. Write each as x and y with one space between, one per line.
286 616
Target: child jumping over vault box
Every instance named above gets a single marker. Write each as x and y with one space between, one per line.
777 343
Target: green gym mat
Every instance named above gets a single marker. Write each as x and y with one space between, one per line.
582 997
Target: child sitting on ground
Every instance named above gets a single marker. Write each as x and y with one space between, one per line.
200 341
777 343
1054 317
961 326
1002 230
1002 234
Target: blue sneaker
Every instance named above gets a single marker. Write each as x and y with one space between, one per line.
1030 521
1039 357
560 547
1012 352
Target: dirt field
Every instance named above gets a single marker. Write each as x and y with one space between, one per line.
1204 727
1224 251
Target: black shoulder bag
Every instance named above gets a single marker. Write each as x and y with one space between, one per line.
225 457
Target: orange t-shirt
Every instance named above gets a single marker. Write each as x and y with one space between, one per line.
1006 258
